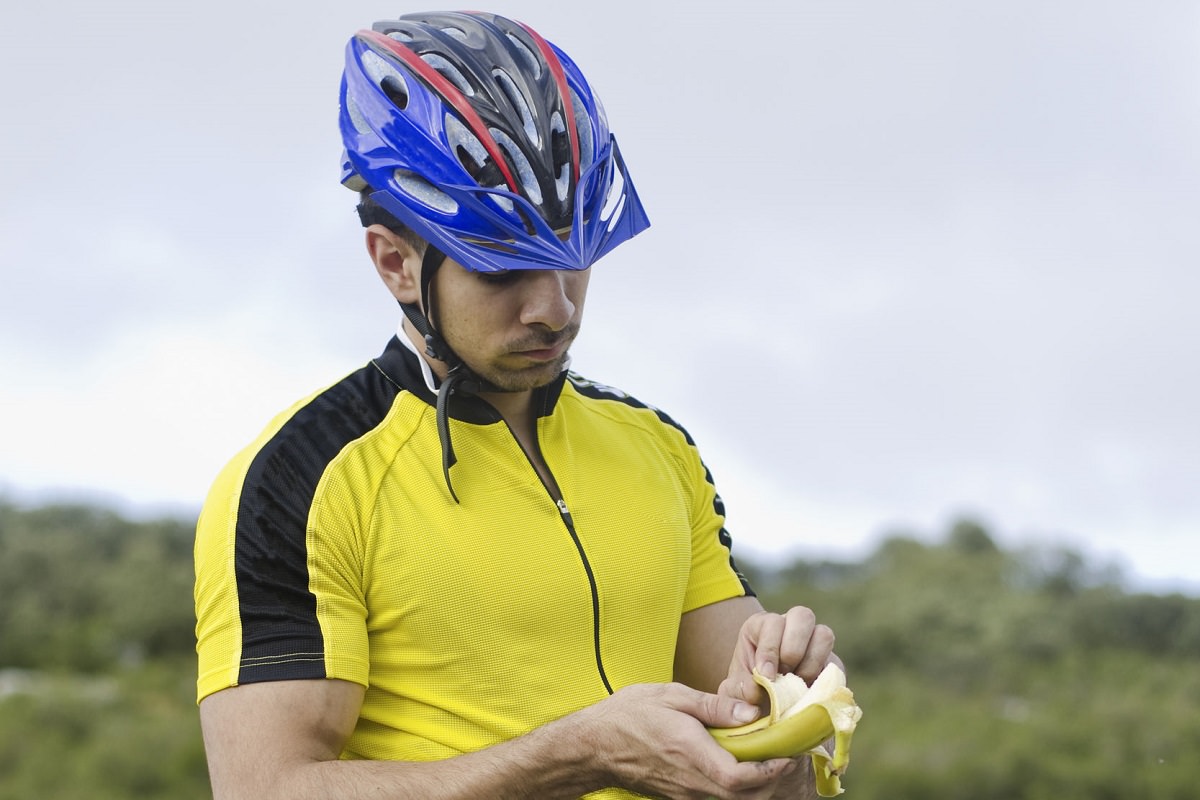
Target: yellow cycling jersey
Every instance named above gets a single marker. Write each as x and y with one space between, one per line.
332 548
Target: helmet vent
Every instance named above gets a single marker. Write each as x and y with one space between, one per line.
396 90
425 192
356 116
560 152
583 124
400 36
387 77
455 33
449 72
517 99
615 199
526 221
470 151
526 55
525 173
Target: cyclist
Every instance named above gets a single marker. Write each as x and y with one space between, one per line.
463 570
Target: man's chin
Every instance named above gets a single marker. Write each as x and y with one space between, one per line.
525 379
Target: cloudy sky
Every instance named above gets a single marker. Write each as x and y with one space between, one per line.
909 261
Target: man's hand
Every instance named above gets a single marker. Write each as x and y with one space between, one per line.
798 784
652 738
776 644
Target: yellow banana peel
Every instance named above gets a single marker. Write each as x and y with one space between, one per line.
799 720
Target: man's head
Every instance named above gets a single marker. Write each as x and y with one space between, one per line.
472 138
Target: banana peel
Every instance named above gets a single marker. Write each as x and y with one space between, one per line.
799 720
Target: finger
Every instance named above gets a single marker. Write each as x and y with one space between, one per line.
796 780
795 641
713 710
751 780
767 644
722 711
820 650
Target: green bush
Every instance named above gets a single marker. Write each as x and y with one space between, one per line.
983 674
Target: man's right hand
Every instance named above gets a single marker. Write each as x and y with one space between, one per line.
653 738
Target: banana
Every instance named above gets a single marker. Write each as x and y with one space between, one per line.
799 719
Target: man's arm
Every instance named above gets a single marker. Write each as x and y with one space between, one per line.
707 638
283 740
720 644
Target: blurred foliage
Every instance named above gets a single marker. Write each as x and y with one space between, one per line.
86 590
988 674
983 673
97 675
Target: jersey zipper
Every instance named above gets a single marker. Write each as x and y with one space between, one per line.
568 521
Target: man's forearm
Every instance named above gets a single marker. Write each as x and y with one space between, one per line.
551 762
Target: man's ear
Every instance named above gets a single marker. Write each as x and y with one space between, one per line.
397 262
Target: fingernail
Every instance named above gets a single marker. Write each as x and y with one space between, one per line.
767 670
744 712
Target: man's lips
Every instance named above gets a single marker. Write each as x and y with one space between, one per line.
544 345
544 353
543 349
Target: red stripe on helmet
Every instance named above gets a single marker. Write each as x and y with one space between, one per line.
451 94
560 78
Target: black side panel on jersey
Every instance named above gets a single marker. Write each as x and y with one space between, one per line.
281 637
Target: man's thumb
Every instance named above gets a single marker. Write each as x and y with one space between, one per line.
722 711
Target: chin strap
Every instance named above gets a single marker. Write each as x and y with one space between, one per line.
435 345
459 377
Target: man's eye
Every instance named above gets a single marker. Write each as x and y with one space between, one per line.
499 278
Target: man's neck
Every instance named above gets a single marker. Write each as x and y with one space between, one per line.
515 407
517 410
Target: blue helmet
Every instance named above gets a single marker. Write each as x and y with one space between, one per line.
486 140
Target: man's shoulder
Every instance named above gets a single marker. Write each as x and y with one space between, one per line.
613 397
347 408
343 410
595 390
299 443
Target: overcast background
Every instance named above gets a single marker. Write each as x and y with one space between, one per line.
909 261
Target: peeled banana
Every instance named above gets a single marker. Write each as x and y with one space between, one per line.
800 719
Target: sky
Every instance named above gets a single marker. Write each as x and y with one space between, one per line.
908 263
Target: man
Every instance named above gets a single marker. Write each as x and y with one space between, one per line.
462 571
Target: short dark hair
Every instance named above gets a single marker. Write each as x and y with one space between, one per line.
371 213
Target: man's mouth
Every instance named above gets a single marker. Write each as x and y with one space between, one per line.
545 353
545 348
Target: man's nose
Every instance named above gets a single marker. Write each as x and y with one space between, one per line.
546 299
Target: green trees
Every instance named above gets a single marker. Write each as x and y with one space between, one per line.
85 589
983 673
96 668
988 674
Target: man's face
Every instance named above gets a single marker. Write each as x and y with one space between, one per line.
513 329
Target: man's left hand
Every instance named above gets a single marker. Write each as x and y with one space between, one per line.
776 644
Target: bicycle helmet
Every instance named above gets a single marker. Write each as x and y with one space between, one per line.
486 140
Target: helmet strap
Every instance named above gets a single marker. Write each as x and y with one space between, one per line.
422 315
459 377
